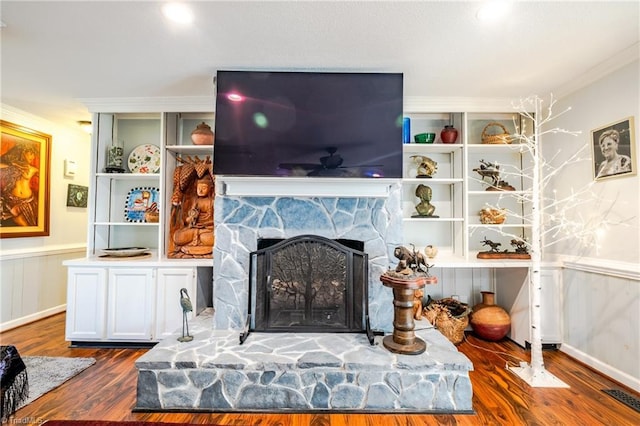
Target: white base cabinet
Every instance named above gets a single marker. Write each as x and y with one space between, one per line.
126 304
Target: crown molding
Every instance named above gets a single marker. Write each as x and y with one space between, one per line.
412 104
415 104
150 104
604 68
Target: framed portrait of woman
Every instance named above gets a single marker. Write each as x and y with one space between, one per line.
25 156
614 150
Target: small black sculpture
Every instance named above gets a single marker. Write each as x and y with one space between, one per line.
492 171
520 246
185 303
411 261
494 246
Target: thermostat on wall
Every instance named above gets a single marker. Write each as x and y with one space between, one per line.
70 168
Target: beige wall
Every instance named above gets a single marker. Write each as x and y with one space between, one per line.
33 280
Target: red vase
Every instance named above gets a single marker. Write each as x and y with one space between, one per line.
488 320
449 134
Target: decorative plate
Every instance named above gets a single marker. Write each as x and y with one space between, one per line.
139 201
145 159
125 251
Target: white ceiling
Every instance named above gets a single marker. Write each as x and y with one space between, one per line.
54 53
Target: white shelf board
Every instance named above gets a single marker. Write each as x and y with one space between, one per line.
435 181
498 226
126 176
460 262
153 261
432 219
436 148
126 223
488 147
499 193
195 149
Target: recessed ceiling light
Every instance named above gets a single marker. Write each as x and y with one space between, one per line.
178 12
492 11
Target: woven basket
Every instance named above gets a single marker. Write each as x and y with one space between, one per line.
450 317
496 138
492 216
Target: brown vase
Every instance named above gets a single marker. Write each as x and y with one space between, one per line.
202 135
488 320
449 134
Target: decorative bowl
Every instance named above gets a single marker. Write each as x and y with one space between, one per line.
425 137
125 251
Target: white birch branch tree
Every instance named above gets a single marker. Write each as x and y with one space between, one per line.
548 215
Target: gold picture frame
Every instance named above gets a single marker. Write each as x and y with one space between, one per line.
25 157
614 150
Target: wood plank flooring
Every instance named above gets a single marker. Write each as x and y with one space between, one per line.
107 391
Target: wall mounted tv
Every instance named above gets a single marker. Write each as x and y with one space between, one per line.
316 124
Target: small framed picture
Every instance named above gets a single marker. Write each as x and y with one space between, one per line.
77 195
614 150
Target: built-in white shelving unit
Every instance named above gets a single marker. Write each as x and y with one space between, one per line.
459 193
135 300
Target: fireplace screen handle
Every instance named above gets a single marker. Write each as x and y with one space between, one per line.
269 286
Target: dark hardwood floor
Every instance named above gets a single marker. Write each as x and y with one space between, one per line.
107 391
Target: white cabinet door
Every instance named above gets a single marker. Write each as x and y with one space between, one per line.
516 298
86 303
168 309
130 305
551 308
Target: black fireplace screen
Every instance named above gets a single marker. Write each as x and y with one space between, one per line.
308 283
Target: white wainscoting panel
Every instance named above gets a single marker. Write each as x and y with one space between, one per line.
601 313
34 286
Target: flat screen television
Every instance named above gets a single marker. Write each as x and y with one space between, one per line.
315 124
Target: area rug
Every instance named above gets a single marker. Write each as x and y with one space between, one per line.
46 373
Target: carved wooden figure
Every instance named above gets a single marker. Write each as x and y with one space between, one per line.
191 227
417 304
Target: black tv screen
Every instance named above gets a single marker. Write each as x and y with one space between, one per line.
314 124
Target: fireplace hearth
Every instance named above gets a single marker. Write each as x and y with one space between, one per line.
308 283
293 371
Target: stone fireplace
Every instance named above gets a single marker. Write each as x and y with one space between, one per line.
285 370
241 221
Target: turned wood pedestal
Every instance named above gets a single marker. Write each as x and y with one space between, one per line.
404 340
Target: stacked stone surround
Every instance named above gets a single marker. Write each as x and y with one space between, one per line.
301 372
241 221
